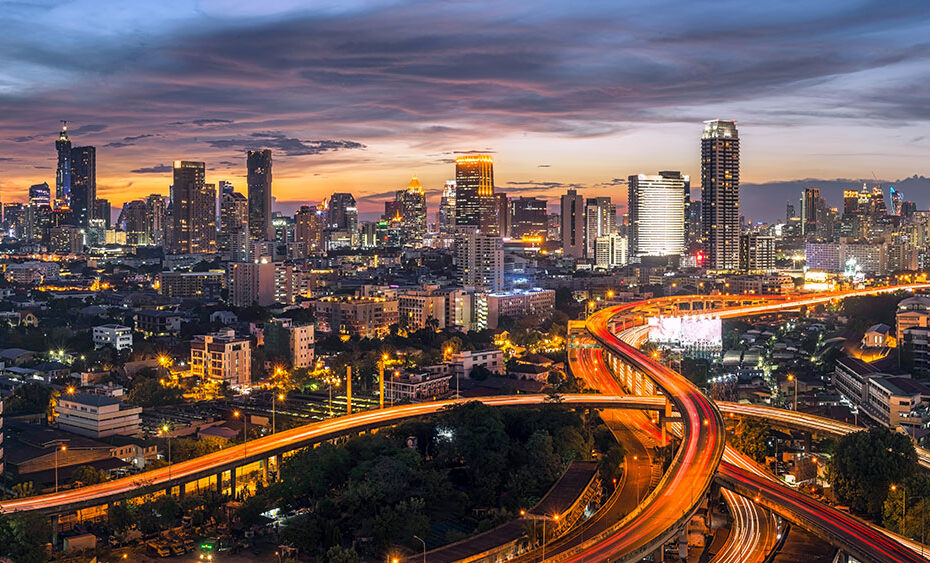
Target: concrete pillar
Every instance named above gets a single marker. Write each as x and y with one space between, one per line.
265 463
232 482
54 523
659 555
219 482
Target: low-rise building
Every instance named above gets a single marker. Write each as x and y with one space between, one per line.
294 341
97 416
222 356
368 317
515 304
464 362
158 323
117 336
197 285
418 387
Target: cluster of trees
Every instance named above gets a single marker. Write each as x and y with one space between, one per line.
29 398
751 438
866 464
465 470
148 391
166 511
23 538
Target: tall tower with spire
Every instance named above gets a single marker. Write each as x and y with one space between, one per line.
63 174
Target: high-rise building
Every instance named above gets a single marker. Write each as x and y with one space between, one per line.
102 211
63 172
133 219
528 218
657 214
503 214
446 218
475 204
479 259
234 225
342 213
193 210
600 220
897 198
720 194
611 251
83 184
413 211
260 282
756 253
259 181
40 194
813 211
572 225
308 230
156 220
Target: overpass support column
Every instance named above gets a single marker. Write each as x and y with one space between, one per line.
219 482
265 463
232 482
659 555
54 523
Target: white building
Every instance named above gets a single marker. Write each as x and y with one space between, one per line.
657 214
516 303
117 336
222 356
465 361
284 336
611 251
416 306
479 259
418 387
97 416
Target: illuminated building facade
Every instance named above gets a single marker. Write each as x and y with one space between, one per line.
83 184
479 259
600 220
222 356
308 228
475 204
528 218
63 171
234 225
446 215
657 214
413 211
720 194
193 210
156 218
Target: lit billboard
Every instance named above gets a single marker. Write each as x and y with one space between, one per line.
689 332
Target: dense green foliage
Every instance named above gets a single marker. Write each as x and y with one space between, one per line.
23 538
473 467
865 464
149 392
916 491
29 398
751 437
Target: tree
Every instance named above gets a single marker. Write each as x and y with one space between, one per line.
750 437
29 398
865 464
23 538
150 392
88 475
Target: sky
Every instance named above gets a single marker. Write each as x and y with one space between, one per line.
356 95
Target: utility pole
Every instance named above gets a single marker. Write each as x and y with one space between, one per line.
348 389
381 380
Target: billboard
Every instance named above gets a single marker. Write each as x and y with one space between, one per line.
689 332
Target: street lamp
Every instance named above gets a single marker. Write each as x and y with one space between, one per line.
164 432
903 506
245 431
62 448
279 397
424 547
791 377
384 359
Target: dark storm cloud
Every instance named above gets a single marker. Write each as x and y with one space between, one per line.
290 146
157 169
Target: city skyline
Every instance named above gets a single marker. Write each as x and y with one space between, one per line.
362 116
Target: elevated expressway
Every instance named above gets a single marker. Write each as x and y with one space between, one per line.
737 473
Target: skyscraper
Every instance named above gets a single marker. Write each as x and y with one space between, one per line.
720 194
40 194
133 220
813 211
572 225
309 227
897 198
600 220
193 215
475 204
156 221
83 184
479 259
413 211
259 181
234 225
102 211
446 217
657 214
63 172
342 213
528 218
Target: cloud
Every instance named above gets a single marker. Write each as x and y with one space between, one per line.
290 146
203 122
157 169
128 141
89 128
